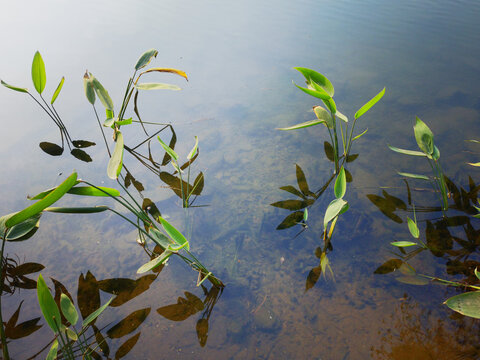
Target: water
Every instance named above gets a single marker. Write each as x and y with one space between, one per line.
239 59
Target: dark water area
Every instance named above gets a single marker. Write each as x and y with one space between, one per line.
239 58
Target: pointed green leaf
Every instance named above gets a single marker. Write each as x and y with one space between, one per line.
11 87
304 125
102 94
21 231
57 91
330 104
115 164
360 135
192 153
341 116
174 234
413 280
319 79
403 243
123 122
323 114
340 184
333 210
477 274
157 86
68 309
96 313
414 176
169 150
88 87
109 122
466 304
39 77
424 136
412 226
72 335
436 153
94 191
145 58
318 94
44 203
305 215
369 104
47 304
52 353
406 152
159 260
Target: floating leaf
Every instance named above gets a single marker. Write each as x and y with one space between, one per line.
44 203
414 176
413 280
47 304
145 58
24 90
68 309
466 304
389 266
369 104
82 143
412 226
406 152
102 94
303 125
51 149
319 79
174 234
340 184
403 243
333 210
81 155
323 114
159 260
39 76
157 86
424 136
115 163
57 91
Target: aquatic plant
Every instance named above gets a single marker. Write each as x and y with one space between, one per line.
320 87
39 79
424 138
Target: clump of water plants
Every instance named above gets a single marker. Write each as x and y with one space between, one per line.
424 138
39 79
320 87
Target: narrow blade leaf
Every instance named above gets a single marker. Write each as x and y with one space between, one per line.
369 104
57 91
333 210
68 309
39 77
403 243
414 176
323 114
77 210
412 226
406 152
168 149
47 304
157 86
303 125
145 58
96 313
191 154
115 164
424 136
318 94
16 88
167 70
102 94
159 260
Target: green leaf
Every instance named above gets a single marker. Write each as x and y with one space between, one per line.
403 243
424 136
39 76
11 87
159 238
406 152
115 163
145 58
169 150
44 203
72 335
47 305
413 280
174 234
157 86
68 309
109 122
412 226
318 94
159 260
96 313
304 125
305 215
102 94
21 231
340 184
323 114
466 304
192 153
77 210
342 117
319 79
52 353
360 135
369 104
330 104
414 176
57 91
88 87
94 191
477 274
436 153
333 210
123 122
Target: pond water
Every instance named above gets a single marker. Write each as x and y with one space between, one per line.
239 58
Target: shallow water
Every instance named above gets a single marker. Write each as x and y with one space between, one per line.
239 59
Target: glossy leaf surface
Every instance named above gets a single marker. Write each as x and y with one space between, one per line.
39 76
145 58
424 136
369 104
68 309
340 184
57 91
312 75
47 304
116 161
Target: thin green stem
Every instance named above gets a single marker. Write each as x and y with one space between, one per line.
6 356
103 133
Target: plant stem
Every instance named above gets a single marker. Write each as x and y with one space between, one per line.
6 356
101 129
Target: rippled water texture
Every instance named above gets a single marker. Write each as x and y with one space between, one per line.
239 57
